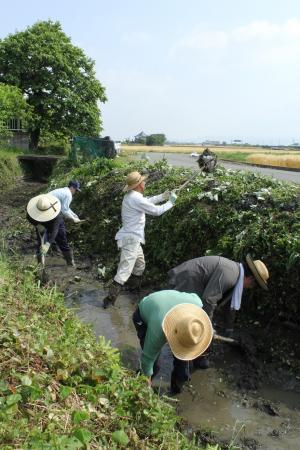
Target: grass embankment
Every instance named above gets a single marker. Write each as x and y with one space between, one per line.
250 155
9 167
61 388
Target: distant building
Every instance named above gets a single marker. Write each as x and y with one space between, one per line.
207 142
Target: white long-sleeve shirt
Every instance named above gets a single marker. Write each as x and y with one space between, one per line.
65 197
134 208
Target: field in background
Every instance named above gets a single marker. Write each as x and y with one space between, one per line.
284 160
255 155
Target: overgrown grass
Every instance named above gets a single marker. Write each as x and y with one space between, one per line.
9 166
228 213
233 156
61 388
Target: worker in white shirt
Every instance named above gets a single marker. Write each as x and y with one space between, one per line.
130 237
65 196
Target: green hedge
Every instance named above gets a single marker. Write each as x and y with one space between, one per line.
228 213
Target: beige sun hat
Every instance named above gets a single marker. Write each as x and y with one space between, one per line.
259 271
44 207
133 179
188 330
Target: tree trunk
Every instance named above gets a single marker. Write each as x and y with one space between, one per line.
34 138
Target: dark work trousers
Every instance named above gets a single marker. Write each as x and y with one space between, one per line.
60 238
180 372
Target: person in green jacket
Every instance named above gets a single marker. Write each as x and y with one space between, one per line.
177 318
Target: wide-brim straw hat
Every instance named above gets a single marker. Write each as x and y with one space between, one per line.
259 271
133 179
188 330
44 207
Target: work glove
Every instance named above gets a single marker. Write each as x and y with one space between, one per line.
166 195
173 198
44 248
76 220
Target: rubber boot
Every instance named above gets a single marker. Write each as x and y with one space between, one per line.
229 323
134 284
114 291
68 256
176 385
202 362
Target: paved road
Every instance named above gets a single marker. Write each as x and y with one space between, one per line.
181 159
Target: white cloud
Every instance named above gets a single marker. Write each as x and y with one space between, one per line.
201 40
258 41
262 30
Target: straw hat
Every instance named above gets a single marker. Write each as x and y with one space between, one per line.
259 271
43 208
133 179
188 330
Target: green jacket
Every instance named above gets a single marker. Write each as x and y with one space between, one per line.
153 309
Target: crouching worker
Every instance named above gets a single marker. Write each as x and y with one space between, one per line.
44 212
130 237
177 318
219 282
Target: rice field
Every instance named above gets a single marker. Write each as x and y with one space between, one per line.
291 161
283 157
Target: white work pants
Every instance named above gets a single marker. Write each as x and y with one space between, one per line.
132 260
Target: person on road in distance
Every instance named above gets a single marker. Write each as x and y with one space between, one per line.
177 318
65 196
130 237
219 281
44 212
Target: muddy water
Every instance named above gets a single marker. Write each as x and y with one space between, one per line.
239 418
268 419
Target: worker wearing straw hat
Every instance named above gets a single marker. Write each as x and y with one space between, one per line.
177 318
219 281
130 237
45 210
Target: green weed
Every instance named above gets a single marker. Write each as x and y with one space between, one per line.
61 387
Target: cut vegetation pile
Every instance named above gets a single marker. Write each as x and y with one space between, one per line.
226 213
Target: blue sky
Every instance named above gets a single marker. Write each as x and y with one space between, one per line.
193 69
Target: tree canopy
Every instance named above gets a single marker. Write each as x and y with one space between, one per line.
156 139
12 105
57 79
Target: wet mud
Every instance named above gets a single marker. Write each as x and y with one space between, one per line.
239 401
